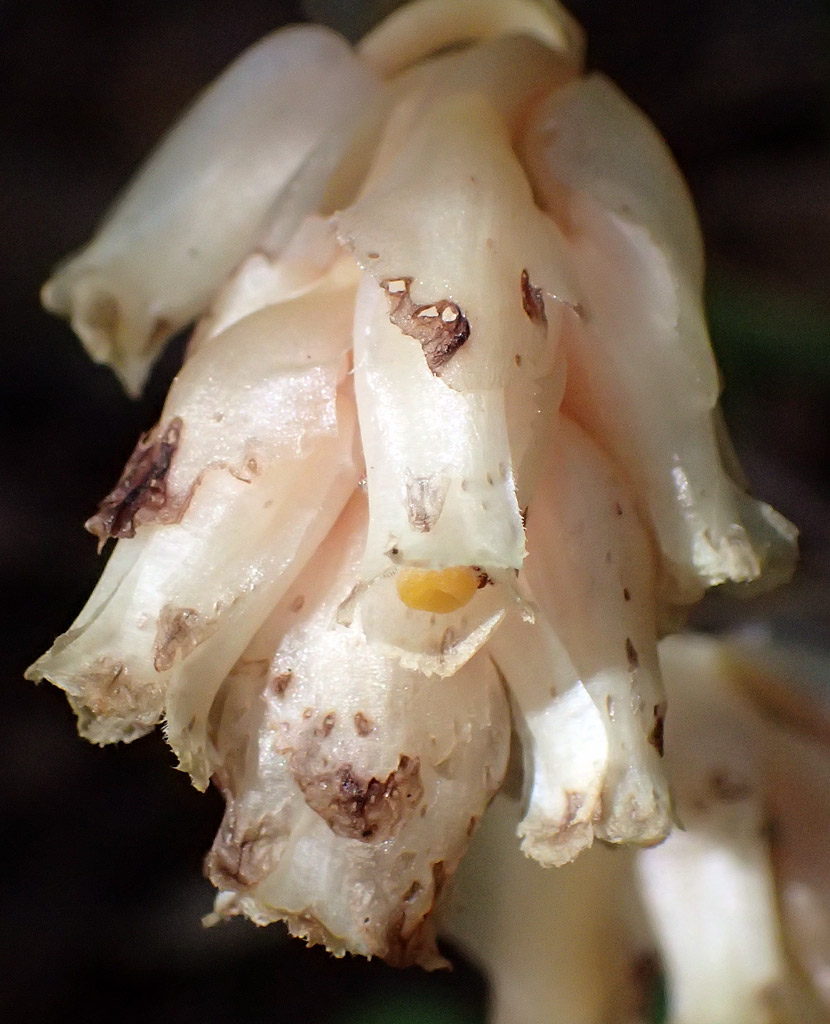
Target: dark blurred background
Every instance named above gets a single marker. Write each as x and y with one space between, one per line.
101 850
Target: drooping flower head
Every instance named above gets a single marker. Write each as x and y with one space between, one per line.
442 462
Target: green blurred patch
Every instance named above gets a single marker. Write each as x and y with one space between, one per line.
416 1008
761 335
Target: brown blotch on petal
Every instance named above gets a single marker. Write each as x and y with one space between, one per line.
326 725
140 495
242 853
425 497
281 682
410 933
533 302
440 327
409 943
655 736
440 877
370 810
109 692
483 578
363 724
414 890
631 655
180 631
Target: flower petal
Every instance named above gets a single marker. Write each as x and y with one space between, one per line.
591 571
753 799
559 947
510 72
251 490
564 741
268 278
359 782
417 30
469 268
448 213
641 376
256 148
438 461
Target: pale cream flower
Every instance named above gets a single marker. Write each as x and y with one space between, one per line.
443 457
733 910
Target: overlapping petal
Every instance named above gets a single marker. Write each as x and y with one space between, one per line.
352 783
442 457
641 375
249 467
250 158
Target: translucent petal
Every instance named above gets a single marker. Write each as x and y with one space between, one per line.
267 278
360 781
256 148
641 376
448 223
564 740
591 570
558 946
510 72
744 887
419 29
251 494
263 390
438 461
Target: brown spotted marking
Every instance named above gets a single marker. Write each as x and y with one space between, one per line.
363 724
108 691
180 631
657 733
425 497
533 302
281 682
406 943
140 496
412 892
370 810
631 655
483 578
440 327
241 856
326 725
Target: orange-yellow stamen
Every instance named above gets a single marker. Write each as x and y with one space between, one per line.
438 590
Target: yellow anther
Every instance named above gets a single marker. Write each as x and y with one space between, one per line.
438 590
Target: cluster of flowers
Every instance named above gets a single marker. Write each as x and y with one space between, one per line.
443 462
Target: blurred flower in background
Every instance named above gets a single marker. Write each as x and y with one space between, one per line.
607 779
728 920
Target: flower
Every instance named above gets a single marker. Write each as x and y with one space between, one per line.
442 462
733 909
